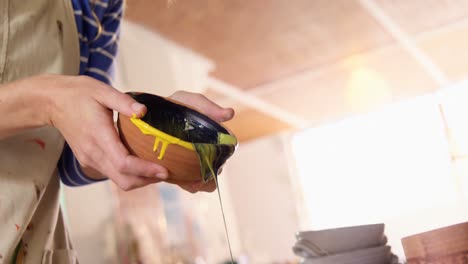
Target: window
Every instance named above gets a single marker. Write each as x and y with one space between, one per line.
392 166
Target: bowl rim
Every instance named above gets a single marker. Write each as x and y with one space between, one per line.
147 129
172 139
194 113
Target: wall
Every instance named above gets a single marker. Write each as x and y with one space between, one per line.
265 205
206 209
149 63
88 212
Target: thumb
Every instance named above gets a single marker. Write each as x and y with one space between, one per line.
120 102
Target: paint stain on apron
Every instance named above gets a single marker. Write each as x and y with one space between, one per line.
36 37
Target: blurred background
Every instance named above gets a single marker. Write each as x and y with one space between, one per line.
348 112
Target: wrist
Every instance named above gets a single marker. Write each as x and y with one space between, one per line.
28 102
47 97
35 96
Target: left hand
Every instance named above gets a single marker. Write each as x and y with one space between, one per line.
211 109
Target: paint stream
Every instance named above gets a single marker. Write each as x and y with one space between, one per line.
171 123
224 220
210 156
215 178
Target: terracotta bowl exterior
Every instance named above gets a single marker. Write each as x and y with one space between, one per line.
183 164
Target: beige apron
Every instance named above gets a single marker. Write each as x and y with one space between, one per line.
36 36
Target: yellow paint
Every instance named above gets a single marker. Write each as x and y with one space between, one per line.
166 139
160 137
206 152
226 139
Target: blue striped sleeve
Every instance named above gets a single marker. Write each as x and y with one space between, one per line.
70 170
98 53
98 23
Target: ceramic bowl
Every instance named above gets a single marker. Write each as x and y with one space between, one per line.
375 255
173 135
444 245
338 240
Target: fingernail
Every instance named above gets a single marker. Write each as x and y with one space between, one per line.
229 113
161 175
138 109
225 118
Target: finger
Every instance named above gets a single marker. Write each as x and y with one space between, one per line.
128 164
199 186
125 163
127 182
138 166
228 115
207 187
204 105
120 102
189 188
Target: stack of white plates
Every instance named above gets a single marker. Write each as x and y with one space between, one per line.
347 245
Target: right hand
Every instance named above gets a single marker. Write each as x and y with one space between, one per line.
81 108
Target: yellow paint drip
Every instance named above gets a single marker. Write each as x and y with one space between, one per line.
160 137
207 152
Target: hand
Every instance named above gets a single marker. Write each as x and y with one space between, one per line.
209 108
81 109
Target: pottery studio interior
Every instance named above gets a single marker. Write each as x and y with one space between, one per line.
349 143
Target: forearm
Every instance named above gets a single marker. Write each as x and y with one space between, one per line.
24 105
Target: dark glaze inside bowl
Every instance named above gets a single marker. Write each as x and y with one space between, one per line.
213 143
178 120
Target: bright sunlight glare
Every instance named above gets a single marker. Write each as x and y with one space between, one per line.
376 166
